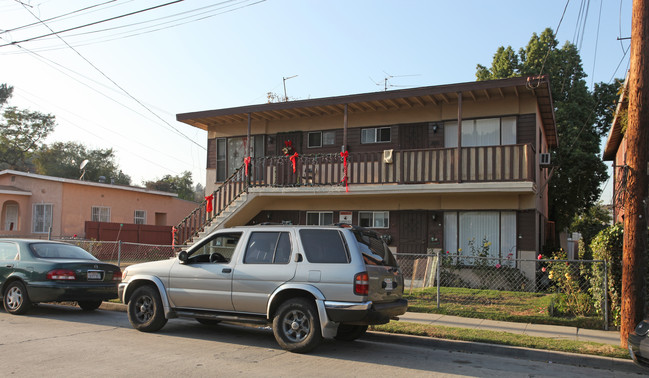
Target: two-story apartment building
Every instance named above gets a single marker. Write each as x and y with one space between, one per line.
615 150
33 205
430 167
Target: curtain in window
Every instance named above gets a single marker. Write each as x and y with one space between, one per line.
508 236
450 232
450 134
478 228
508 127
481 132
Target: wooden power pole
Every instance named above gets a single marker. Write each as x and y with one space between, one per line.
634 261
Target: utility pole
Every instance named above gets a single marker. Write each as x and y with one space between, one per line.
634 259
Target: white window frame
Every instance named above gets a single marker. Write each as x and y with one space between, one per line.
141 219
321 220
371 135
44 218
102 214
374 216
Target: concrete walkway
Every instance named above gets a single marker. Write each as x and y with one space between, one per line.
540 330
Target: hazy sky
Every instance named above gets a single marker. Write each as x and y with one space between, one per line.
198 55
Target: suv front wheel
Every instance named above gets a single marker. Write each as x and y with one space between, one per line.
145 310
297 326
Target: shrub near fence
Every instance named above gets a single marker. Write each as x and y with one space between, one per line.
554 288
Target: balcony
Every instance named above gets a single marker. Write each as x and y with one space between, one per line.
427 166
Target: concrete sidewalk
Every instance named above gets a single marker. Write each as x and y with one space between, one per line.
540 330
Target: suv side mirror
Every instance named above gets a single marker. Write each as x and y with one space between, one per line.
298 257
182 256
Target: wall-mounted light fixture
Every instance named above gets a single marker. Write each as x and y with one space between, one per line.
435 127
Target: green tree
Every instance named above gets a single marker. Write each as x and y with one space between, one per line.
21 134
589 224
580 119
181 185
5 93
63 159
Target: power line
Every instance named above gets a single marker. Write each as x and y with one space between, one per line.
117 85
86 25
55 17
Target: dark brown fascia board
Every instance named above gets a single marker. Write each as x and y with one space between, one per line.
615 135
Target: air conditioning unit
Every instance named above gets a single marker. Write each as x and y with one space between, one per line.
387 156
544 160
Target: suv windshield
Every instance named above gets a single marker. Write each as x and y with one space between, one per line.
374 250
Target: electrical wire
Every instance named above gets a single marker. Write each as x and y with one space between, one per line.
120 87
86 25
599 21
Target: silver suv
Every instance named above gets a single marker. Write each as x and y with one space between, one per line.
309 282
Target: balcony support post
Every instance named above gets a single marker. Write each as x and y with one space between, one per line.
344 148
459 136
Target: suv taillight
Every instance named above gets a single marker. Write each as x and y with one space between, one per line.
61 274
361 284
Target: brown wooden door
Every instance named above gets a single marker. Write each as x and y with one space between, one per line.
413 232
413 137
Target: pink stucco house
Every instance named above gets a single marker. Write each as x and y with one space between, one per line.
33 205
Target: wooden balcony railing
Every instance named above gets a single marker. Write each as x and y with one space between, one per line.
443 165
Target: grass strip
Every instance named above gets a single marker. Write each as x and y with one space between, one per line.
504 338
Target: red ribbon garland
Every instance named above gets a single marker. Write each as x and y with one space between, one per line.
344 155
173 237
209 200
295 155
246 161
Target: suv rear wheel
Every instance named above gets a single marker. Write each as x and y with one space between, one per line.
296 325
145 310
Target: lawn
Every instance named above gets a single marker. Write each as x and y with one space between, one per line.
512 306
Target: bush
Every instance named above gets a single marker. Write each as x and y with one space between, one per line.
607 246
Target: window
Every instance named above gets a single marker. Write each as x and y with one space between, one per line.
268 248
482 132
315 139
221 173
375 135
319 218
464 232
139 217
100 214
8 251
328 138
42 218
374 219
219 249
324 246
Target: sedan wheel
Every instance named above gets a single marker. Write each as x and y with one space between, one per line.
16 301
145 310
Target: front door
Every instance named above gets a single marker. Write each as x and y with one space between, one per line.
11 217
413 235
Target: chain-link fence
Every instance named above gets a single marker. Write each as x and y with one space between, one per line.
123 253
561 288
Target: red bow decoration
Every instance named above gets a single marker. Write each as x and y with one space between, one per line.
293 157
344 155
208 206
173 237
246 161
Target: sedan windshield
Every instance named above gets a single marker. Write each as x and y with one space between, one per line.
59 251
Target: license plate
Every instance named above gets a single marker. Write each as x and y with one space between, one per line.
388 284
94 275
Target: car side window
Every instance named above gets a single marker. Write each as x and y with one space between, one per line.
268 248
324 246
8 251
219 249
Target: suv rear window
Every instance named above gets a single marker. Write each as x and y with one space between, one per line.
374 250
324 246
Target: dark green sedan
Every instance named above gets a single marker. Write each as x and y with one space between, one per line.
33 271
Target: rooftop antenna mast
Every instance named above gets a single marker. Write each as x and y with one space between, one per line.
386 81
284 80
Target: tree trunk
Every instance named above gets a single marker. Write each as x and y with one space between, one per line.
637 134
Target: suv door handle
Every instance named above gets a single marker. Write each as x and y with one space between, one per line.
227 270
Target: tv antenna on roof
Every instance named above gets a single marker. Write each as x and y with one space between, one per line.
82 167
386 81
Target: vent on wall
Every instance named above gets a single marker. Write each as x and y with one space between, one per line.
544 160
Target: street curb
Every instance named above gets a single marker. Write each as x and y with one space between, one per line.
575 359
580 360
